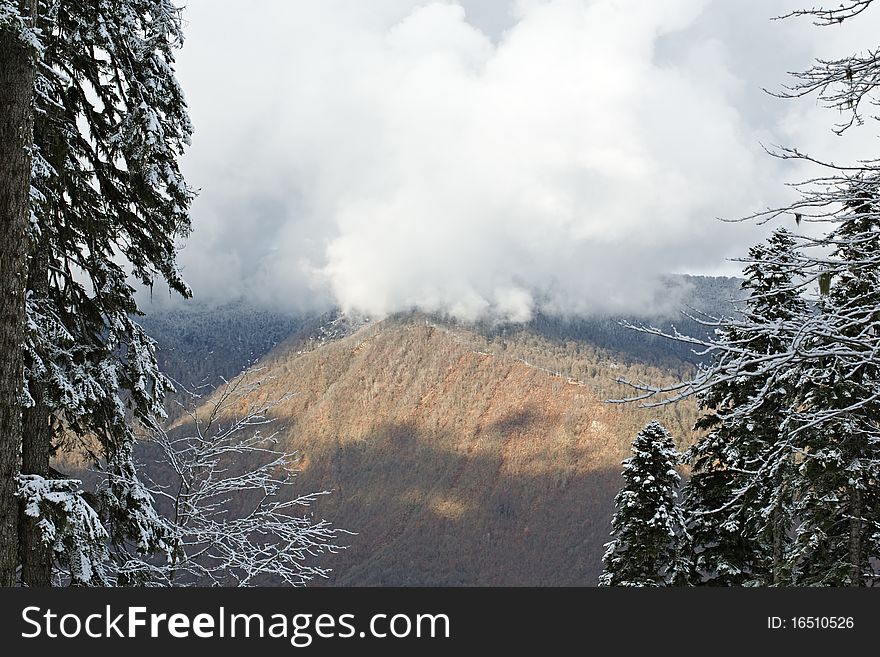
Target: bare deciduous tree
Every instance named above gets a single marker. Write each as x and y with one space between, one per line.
227 490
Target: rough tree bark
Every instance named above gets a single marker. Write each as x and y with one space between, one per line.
779 528
855 537
778 543
36 556
17 68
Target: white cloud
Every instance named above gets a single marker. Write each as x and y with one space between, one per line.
396 155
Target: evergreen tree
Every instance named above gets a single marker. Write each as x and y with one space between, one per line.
784 488
107 204
648 527
18 52
110 123
834 419
738 499
837 423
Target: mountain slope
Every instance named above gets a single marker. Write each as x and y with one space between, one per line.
457 459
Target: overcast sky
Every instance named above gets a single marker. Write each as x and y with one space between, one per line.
488 157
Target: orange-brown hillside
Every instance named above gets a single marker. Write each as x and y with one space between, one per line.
455 462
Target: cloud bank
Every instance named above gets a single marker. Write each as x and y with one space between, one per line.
481 158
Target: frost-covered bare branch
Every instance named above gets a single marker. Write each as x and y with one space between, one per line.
229 494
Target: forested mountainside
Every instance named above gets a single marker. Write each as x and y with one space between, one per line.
458 459
480 454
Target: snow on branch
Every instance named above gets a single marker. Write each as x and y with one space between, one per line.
69 525
229 491
21 26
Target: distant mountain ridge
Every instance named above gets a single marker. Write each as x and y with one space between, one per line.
201 344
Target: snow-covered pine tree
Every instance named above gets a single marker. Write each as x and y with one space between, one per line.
648 526
738 499
19 49
793 391
110 123
836 348
837 419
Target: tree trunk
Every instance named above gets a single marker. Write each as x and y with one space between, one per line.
17 69
36 556
855 537
778 520
36 444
